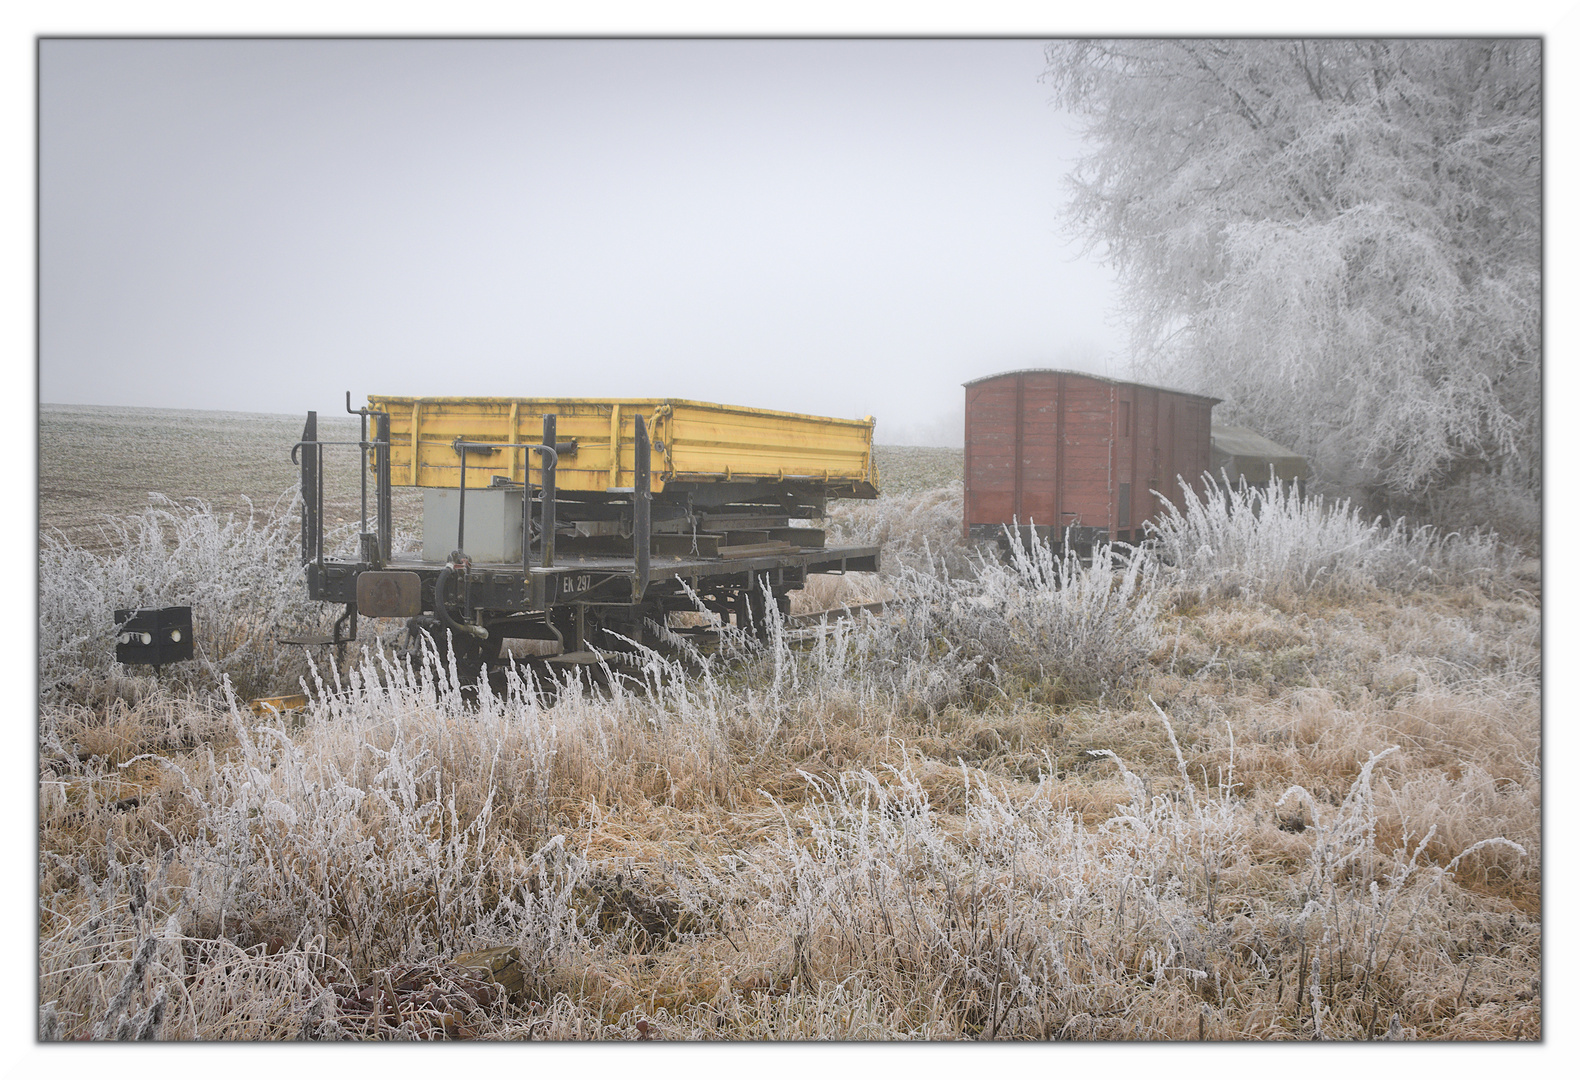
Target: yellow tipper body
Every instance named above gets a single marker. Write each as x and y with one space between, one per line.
693 442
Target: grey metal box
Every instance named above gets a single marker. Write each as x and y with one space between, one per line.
493 524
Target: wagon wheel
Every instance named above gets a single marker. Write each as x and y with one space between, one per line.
751 615
602 627
471 654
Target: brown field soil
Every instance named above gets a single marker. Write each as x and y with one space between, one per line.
97 462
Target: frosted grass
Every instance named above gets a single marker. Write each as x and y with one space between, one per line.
802 808
1282 541
240 574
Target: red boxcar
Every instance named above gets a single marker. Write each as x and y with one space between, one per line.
1064 450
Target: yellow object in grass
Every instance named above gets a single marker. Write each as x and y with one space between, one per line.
265 705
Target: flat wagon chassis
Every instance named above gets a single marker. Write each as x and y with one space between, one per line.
587 602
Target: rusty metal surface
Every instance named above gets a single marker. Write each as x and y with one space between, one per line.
389 594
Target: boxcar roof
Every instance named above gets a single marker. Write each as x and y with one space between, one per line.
1089 375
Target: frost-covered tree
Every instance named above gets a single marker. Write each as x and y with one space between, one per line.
1342 239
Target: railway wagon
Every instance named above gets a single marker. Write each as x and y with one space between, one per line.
582 521
1075 458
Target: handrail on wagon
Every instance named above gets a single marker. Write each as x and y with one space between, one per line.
380 447
373 547
382 468
547 522
367 444
641 539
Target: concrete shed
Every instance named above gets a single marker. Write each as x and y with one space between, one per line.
1244 453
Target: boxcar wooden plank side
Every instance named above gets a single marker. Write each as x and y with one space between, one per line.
1088 420
1039 420
990 476
1061 448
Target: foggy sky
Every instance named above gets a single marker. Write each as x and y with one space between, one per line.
836 227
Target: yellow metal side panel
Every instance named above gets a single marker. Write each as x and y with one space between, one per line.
691 441
440 421
753 444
